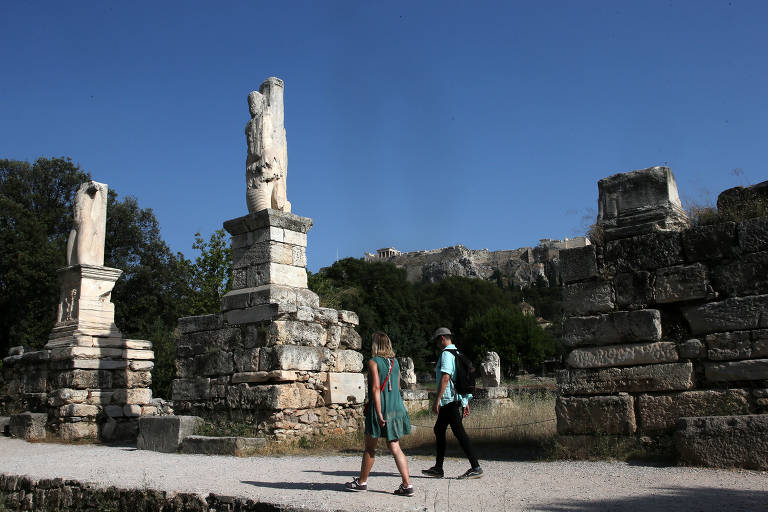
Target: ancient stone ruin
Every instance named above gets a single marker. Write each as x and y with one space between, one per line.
272 358
666 322
88 381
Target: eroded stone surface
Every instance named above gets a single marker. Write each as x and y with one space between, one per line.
656 377
578 264
724 441
662 412
491 370
623 355
613 328
595 415
754 369
734 314
681 283
588 297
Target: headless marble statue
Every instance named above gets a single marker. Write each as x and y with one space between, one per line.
86 240
266 165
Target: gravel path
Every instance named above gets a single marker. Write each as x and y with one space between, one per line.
316 482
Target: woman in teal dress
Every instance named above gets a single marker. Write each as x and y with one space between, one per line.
386 415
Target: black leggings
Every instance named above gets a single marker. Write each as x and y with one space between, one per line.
451 414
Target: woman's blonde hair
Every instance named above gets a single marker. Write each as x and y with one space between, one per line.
381 346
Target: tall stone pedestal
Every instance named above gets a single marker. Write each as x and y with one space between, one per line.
272 357
98 382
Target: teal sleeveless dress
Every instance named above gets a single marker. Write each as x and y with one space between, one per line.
392 406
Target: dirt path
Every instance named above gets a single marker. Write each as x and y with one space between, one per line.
316 482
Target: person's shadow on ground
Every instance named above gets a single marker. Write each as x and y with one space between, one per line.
305 486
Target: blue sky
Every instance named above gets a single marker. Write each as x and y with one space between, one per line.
416 125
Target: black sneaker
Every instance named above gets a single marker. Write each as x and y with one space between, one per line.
434 471
471 473
355 486
404 491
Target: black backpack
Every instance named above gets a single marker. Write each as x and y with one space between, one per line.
464 378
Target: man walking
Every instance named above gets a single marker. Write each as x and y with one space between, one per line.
450 407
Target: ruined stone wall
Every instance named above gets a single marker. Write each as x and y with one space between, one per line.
663 323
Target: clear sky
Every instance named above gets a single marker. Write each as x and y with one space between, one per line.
416 125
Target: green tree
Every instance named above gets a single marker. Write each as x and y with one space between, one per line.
35 219
211 275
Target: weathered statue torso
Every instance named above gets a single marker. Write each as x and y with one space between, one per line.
86 240
266 165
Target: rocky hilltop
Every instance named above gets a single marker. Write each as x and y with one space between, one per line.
518 267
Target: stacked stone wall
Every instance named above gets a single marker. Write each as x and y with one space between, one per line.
663 325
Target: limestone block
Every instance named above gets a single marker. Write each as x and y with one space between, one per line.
83 379
82 410
633 289
414 394
255 377
200 323
662 412
138 366
595 415
137 396
753 234
29 426
681 283
94 364
333 338
578 264
350 339
133 379
342 388
407 373
246 360
85 353
490 370
612 328
754 369
214 363
348 361
747 275
692 349
99 397
623 355
269 251
710 243
639 201
78 431
655 377
726 346
724 441
645 252
294 357
326 316
165 433
276 273
64 396
490 393
232 446
249 224
734 314
588 297
305 314
349 317
114 411
297 333
277 396
196 343
84 306
132 410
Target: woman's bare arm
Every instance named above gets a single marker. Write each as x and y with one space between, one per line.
373 373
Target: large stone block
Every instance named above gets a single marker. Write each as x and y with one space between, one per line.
269 251
754 369
578 264
191 389
726 346
623 355
78 431
724 441
348 317
588 297
350 338
214 363
734 314
342 388
296 333
81 410
276 273
258 313
200 323
595 415
645 252
753 234
28 425
710 243
347 361
165 433
662 412
681 283
232 446
83 379
246 360
633 289
294 357
264 219
747 275
137 396
196 343
613 328
640 201
276 396
244 297
655 377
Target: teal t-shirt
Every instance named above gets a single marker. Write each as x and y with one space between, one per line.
447 364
